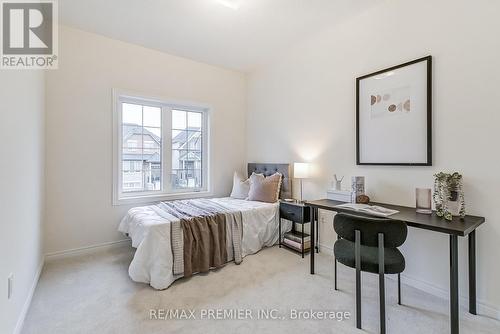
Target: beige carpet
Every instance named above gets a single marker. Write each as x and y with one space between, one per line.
93 294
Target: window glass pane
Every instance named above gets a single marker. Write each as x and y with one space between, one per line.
150 144
152 117
178 178
132 166
178 158
152 177
191 178
195 158
132 114
179 120
179 139
186 178
194 121
197 175
132 179
151 157
132 143
151 140
141 148
148 179
187 127
194 140
152 133
132 146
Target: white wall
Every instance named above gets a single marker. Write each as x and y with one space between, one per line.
302 107
21 190
79 123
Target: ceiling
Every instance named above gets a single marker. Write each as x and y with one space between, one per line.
207 30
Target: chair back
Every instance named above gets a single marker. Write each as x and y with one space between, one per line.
395 231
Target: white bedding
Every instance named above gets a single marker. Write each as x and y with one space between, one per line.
149 229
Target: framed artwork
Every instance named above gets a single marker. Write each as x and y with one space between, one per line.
394 115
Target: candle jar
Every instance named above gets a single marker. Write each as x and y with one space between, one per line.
423 199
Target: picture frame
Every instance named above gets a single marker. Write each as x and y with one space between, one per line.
394 115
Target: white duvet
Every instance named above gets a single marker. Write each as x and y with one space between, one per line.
149 229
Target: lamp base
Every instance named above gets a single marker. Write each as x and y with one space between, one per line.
301 200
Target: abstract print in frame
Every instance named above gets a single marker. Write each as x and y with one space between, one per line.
394 115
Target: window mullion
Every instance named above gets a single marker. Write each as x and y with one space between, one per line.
205 163
167 147
185 167
143 174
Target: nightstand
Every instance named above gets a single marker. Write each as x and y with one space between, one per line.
300 214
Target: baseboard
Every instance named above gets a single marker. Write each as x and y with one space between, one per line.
84 250
483 308
326 249
27 303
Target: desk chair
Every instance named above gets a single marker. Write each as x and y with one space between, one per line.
370 244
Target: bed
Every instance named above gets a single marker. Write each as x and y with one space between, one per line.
156 230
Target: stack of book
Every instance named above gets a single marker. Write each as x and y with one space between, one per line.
294 240
339 195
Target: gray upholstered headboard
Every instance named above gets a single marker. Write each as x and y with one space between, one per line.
270 169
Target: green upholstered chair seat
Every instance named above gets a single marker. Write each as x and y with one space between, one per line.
394 260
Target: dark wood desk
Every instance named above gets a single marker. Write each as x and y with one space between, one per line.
455 228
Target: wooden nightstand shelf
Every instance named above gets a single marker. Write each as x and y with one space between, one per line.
298 213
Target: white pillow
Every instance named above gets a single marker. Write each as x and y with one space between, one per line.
241 187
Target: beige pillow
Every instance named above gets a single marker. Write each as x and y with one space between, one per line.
241 187
264 189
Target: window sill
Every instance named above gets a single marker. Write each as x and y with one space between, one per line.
145 199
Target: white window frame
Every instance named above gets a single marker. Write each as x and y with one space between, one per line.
166 193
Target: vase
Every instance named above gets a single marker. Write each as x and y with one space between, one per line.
454 203
357 187
423 200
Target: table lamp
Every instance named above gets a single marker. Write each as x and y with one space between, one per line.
301 171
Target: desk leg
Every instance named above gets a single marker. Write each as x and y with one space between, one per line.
335 265
472 272
279 235
312 239
454 284
302 241
317 231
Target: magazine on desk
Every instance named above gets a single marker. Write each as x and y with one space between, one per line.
373 210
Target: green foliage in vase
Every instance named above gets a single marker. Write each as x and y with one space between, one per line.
446 187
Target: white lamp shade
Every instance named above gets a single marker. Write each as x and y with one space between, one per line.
301 170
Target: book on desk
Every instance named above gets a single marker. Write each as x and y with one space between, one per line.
372 210
345 196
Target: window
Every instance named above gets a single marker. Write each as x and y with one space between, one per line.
160 149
